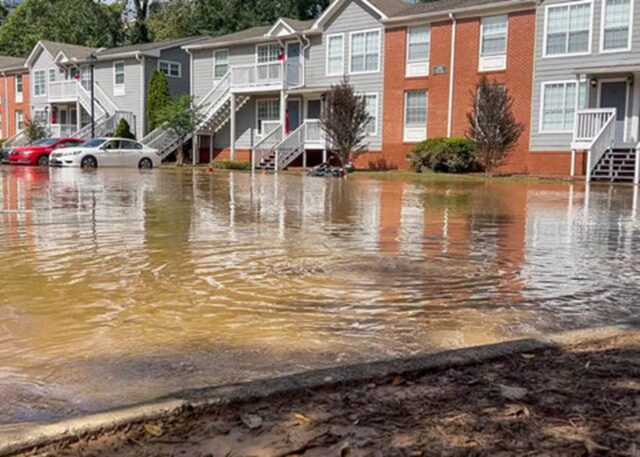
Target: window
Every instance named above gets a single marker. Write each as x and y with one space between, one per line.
559 105
267 110
493 43
220 63
19 120
568 29
365 51
418 50
415 116
19 89
171 69
130 145
118 78
371 103
267 55
85 76
616 26
39 83
52 74
335 55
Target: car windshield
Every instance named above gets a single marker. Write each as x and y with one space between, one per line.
47 142
96 142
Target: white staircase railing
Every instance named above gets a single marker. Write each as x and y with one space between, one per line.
106 125
272 137
602 141
309 135
17 140
72 89
588 124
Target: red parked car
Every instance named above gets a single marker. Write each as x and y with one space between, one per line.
38 153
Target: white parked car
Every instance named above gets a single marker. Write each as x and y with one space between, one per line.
107 152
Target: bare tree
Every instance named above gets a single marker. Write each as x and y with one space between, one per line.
140 32
344 120
492 124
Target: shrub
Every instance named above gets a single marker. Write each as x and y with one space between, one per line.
231 165
446 155
123 130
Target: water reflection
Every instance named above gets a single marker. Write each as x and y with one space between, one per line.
118 286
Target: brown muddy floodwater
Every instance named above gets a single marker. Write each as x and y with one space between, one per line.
119 286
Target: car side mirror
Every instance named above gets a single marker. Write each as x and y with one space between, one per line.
61 146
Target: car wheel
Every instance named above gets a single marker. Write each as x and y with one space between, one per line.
43 161
89 162
145 164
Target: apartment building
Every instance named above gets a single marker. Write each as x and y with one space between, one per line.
14 95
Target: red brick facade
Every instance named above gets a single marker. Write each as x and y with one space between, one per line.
518 78
9 104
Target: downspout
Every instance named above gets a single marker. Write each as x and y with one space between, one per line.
143 102
451 73
5 102
305 47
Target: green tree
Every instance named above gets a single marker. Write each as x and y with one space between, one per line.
139 31
181 118
35 131
171 19
123 130
83 22
158 98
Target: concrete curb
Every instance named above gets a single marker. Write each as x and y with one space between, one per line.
40 435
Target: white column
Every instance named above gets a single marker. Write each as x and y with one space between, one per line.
78 116
635 109
283 109
195 149
211 147
573 162
232 128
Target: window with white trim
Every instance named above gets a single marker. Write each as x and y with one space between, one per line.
335 55
19 120
415 116
118 78
616 26
267 56
171 69
371 104
418 50
568 29
365 51
85 76
493 43
220 63
19 88
559 105
267 110
39 83
52 74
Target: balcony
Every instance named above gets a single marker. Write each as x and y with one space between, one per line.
265 77
63 91
62 130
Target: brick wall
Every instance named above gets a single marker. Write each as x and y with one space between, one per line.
9 129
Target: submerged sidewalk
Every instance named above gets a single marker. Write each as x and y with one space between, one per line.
578 395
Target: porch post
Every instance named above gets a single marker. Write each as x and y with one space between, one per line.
636 175
283 111
211 147
78 116
232 126
635 109
573 162
195 149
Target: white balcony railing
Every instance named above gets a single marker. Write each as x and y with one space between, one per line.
63 90
314 135
62 130
267 76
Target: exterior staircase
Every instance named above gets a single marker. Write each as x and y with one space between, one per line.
275 153
216 112
616 164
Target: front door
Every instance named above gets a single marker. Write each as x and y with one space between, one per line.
613 94
293 61
293 114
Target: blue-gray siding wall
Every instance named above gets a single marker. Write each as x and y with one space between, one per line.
561 68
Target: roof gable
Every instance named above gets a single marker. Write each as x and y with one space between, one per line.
382 9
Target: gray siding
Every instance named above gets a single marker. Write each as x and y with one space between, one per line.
43 62
561 68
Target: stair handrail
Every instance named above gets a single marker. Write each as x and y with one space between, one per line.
100 93
16 140
288 149
85 99
602 142
636 174
266 145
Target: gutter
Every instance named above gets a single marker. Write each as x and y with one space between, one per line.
452 64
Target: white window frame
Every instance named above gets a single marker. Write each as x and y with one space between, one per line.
377 111
19 94
419 67
258 126
364 32
21 112
342 54
546 23
408 130
215 60
33 84
543 89
495 62
602 23
51 72
267 45
169 63
119 89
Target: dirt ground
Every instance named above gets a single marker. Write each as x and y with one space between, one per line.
578 401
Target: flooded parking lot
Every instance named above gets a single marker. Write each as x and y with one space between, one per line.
118 286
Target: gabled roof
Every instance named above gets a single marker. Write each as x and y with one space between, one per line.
59 51
249 35
150 49
383 8
8 63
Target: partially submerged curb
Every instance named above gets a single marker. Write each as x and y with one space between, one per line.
199 399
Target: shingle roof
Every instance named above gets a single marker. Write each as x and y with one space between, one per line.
392 7
297 25
11 63
149 47
72 51
248 34
439 6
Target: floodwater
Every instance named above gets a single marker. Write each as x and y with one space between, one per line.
117 286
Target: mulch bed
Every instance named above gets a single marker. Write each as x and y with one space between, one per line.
577 401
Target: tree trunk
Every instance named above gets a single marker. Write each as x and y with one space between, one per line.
180 155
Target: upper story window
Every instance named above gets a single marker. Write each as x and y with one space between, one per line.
365 51
268 53
85 76
335 55
52 74
220 63
171 69
616 25
493 43
559 103
568 29
19 89
118 78
418 50
39 83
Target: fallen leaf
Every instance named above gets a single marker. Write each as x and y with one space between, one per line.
152 429
397 381
252 421
528 356
512 392
301 417
588 364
